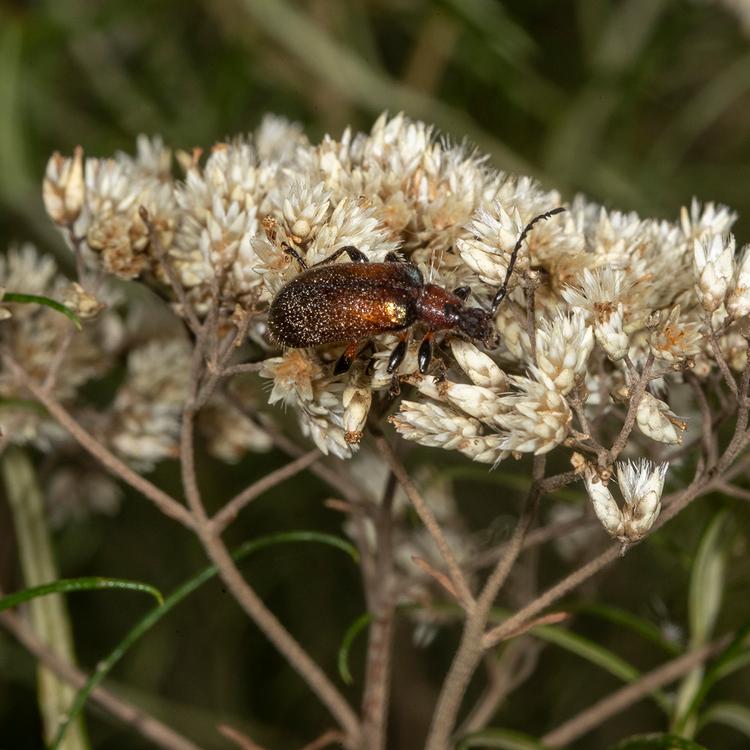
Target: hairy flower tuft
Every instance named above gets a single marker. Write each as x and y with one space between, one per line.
641 484
563 348
713 262
537 417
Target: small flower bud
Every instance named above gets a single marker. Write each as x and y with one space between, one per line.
611 336
578 462
604 504
713 263
641 485
478 366
656 420
86 306
738 301
63 189
513 334
482 403
536 418
563 349
356 401
437 426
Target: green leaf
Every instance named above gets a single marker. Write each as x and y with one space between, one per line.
590 651
658 742
735 656
707 581
503 35
733 715
346 644
286 537
733 661
151 618
37 299
596 654
502 738
704 605
47 615
66 585
643 627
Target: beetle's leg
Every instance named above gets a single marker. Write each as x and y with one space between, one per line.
462 292
368 350
395 387
424 355
398 353
356 256
289 250
395 258
344 362
441 368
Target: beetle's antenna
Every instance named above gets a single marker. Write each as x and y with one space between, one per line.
503 290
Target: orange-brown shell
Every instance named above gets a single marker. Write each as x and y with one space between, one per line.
344 302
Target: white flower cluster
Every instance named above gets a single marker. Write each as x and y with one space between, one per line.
597 296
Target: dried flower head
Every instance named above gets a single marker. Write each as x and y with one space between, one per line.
563 348
656 420
63 188
714 269
146 411
738 301
641 484
676 339
537 417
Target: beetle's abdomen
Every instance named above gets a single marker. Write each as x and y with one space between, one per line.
344 302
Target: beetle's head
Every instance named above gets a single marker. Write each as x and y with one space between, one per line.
477 324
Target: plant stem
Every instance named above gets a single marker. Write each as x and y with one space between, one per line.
49 614
472 646
380 635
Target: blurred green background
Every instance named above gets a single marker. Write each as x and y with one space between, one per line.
641 104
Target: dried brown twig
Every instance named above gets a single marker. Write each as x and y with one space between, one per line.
232 508
428 518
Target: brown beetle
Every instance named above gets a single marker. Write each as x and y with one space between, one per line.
343 303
